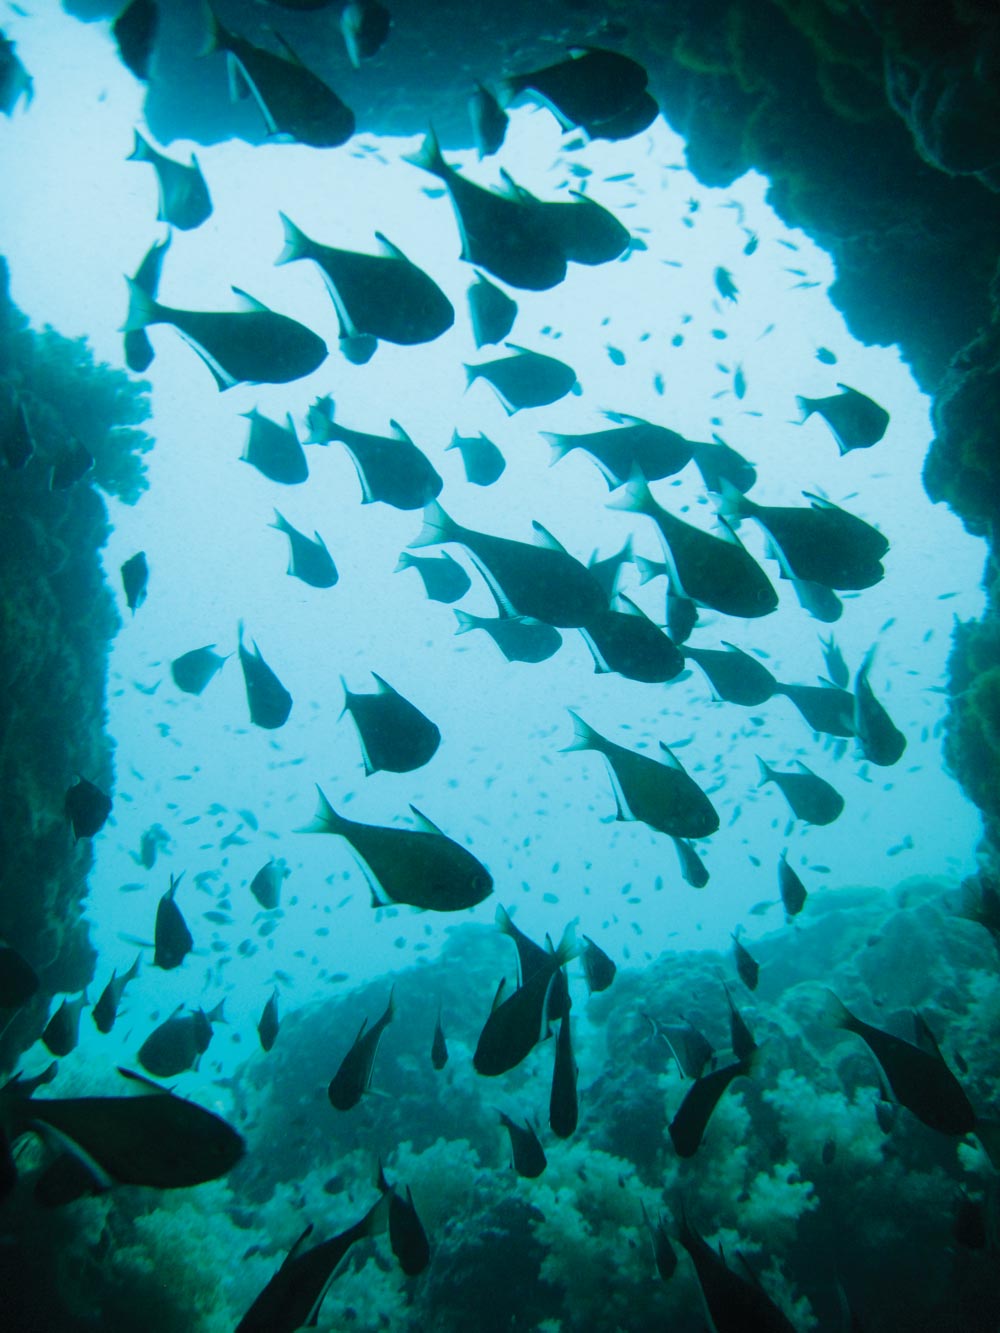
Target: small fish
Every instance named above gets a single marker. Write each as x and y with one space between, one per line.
62 1031
739 382
268 700
266 884
812 799
527 1154
308 559
191 672
753 240
179 1042
598 969
519 638
407 1236
563 1103
827 357
172 939
87 809
18 979
354 1073
489 123
733 674
491 311
664 1254
395 735
365 26
836 667
390 469
693 869
881 741
184 199
134 31
857 422
105 1011
746 965
725 286
526 379
135 577
793 891
274 450
687 1129
443 577
439 1047
138 349
269 1023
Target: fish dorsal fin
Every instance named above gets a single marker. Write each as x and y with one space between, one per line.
399 432
293 55
383 685
141 1086
670 759
248 303
624 418
391 251
425 825
545 539
630 607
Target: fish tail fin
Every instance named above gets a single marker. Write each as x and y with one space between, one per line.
381 1184
806 406
732 504
141 150
559 444
837 1013
280 524
648 569
765 773
567 949
471 374
438 527
404 562
503 922
428 155
218 39
326 819
297 243
142 308
584 737
636 497
465 621
133 971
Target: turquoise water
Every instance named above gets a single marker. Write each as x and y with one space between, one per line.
78 217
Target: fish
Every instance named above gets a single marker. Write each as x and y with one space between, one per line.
134 31
725 286
269 1023
857 421
740 1037
179 1042
819 544
296 105
251 345
659 793
687 1129
694 871
793 891
16 439
826 708
266 884
18 979
739 382
151 1137
443 577
72 462
15 81
491 311
515 1025
184 199
527 1154
105 1011
746 965
664 1254
499 234
138 349
879 738
483 462
519 638
526 379
628 643
735 1304
292 1298
308 559
172 939
812 799
268 700
274 450
530 958
585 232
598 969
191 672
439 1046
542 581
836 667
716 572
489 123
407 1236
87 808
633 443
733 674
391 469
62 1031
354 1073
135 578
563 1103
590 88
364 25
718 462
691 1050
421 867
376 296
395 735
819 601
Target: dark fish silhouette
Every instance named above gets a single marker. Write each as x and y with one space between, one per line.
857 421
15 81
87 809
294 102
526 379
179 1042
655 450
585 232
365 25
483 461
269 1023
251 345
62 1031
406 1231
718 462
836 667
105 1011
527 1154
687 1129
266 884
439 1046
499 234
308 559
184 199
134 31
598 969
519 638
395 735
443 577
628 643
192 671
268 700
421 866
391 469
274 450
515 1026
735 1304
793 891
489 122
354 1073
138 349
664 1253
172 939
376 296
492 311
812 799
740 1036
592 87
826 708
734 675
746 965
880 739
135 577
563 1103
693 868
18 979
608 570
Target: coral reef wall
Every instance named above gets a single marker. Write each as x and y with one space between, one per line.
57 616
